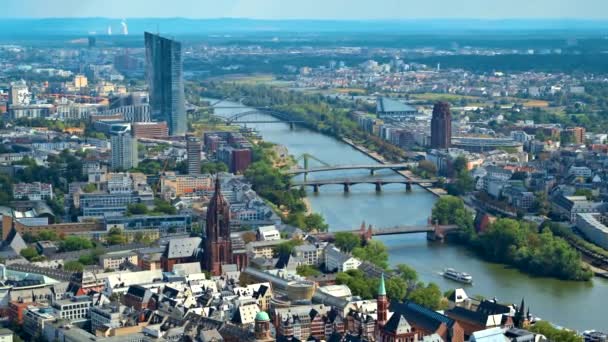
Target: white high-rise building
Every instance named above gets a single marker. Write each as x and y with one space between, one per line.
124 147
19 94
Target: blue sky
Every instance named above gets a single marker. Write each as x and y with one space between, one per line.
309 9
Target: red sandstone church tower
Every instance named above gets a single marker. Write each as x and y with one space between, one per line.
218 246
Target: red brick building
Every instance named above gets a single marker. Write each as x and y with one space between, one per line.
150 129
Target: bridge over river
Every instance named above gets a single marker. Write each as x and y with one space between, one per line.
434 231
347 183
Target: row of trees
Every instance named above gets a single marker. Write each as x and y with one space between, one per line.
329 116
270 183
401 282
161 207
531 249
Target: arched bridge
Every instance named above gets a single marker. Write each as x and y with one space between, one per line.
279 116
347 183
371 167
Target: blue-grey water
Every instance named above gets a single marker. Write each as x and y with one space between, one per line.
577 305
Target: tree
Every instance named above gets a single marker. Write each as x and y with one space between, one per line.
459 165
249 237
88 259
75 243
315 222
208 167
428 167
138 237
375 252
164 207
346 241
287 247
307 271
451 210
407 273
429 296
554 334
358 283
541 203
137 209
29 253
90 187
116 237
73 266
584 192
48 235
396 288
464 183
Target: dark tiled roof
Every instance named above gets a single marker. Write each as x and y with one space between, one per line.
468 315
137 291
420 316
396 322
492 308
261 291
170 292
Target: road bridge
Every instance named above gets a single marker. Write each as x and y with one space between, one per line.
434 231
347 183
370 167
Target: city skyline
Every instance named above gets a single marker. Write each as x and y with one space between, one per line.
314 9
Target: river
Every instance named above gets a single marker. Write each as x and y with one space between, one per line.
577 305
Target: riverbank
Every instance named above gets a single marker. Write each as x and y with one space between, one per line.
404 173
546 297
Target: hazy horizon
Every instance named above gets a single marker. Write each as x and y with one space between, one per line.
310 9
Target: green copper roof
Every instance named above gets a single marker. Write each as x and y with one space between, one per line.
262 316
381 288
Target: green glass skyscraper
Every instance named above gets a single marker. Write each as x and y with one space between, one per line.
164 73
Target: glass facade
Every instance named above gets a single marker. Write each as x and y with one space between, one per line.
164 72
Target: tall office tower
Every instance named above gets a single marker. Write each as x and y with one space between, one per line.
193 147
124 147
218 245
164 72
441 126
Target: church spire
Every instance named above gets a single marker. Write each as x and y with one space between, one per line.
382 304
381 287
218 186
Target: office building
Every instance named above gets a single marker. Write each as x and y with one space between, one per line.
441 126
75 308
574 135
164 72
80 81
150 129
193 147
124 147
387 108
19 94
237 159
